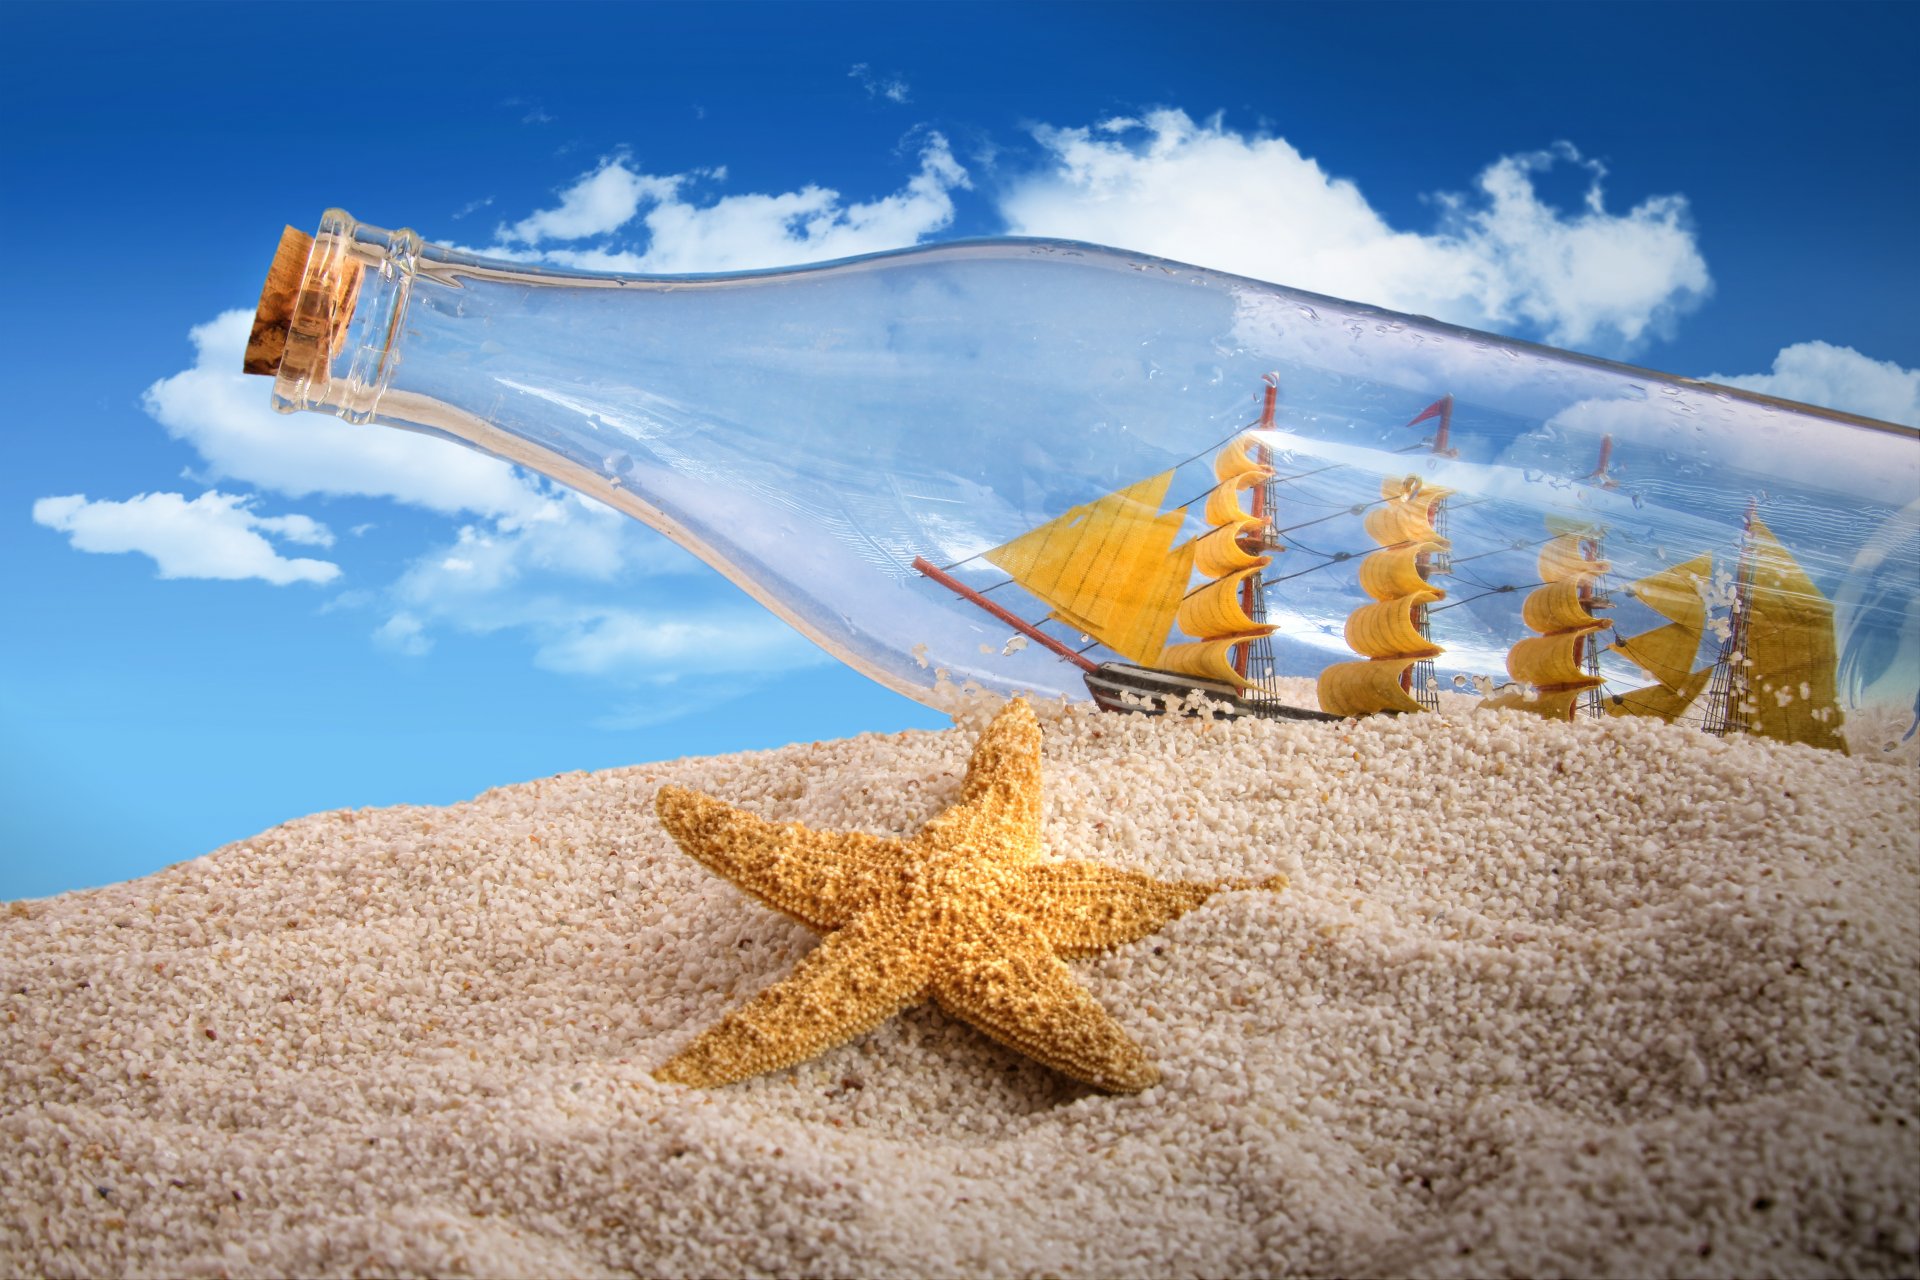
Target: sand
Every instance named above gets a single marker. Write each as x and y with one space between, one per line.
1613 999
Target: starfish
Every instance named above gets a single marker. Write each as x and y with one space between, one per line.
966 913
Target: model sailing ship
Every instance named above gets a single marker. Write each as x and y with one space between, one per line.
1774 672
1116 571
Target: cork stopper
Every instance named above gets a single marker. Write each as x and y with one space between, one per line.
304 310
267 343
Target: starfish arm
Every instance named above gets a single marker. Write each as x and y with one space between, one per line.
820 878
853 981
1085 907
1000 797
1027 998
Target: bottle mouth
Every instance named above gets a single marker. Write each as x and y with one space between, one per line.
327 326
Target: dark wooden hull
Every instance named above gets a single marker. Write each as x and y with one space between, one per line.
1112 682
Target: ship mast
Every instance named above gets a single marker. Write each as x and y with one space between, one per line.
1418 679
1727 695
1591 597
1257 654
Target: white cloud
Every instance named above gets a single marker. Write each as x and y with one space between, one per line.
548 580
630 642
891 87
225 415
1253 205
1837 378
737 232
216 535
599 203
297 528
1595 276
530 558
403 633
572 538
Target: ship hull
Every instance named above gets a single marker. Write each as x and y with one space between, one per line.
1121 686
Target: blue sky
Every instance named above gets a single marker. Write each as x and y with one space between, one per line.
216 623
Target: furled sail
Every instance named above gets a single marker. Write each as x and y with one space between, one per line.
1667 653
1109 568
1788 660
1388 633
1549 670
1214 613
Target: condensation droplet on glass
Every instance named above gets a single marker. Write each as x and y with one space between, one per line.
617 464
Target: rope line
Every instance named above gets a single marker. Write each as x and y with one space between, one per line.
1492 591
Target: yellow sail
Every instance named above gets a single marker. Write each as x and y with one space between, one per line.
1554 704
1395 572
1667 653
1388 632
1109 567
1222 506
1565 557
1362 688
1417 493
1208 659
1673 595
1213 611
1386 628
1549 670
1552 662
1399 523
1560 606
1789 658
1219 553
1234 469
1236 463
1660 701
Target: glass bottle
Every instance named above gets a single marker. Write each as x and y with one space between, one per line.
1021 462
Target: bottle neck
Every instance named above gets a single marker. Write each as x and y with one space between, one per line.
346 319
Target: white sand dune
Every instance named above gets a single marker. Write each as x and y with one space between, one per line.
1599 999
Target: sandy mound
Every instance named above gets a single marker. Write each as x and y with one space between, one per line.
1598 999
